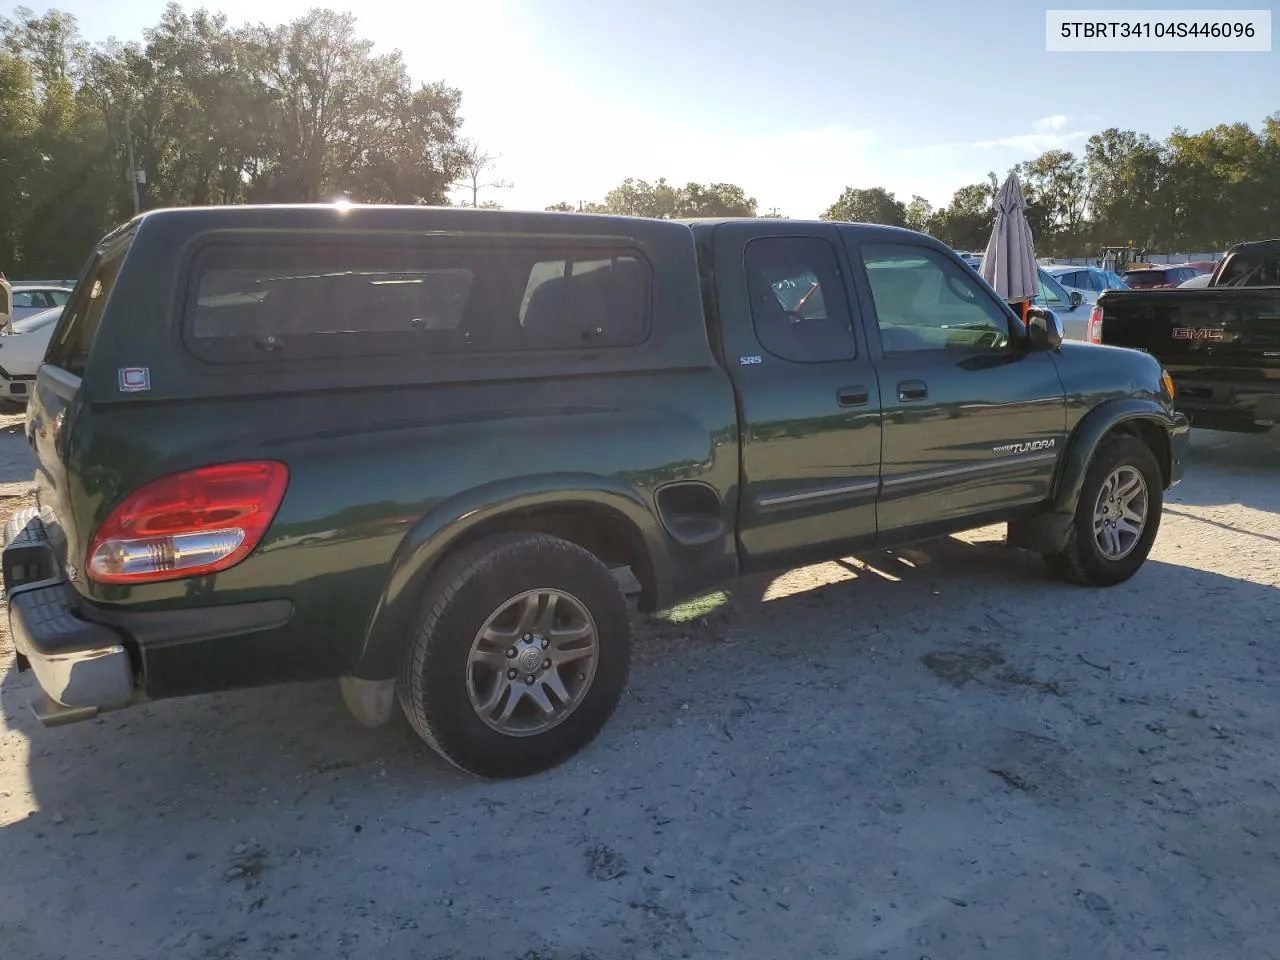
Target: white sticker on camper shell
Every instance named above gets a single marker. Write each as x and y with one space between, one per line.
135 379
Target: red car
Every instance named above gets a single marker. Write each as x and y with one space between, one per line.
1159 278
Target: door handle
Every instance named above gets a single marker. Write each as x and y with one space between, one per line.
852 396
909 390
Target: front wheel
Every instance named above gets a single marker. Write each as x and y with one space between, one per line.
1117 517
521 655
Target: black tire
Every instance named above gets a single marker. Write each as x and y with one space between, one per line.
467 590
1083 561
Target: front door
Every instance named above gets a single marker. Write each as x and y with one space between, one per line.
808 397
973 422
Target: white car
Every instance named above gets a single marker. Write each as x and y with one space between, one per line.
1200 281
1089 281
22 350
30 299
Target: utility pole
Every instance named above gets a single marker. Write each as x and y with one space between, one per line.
133 168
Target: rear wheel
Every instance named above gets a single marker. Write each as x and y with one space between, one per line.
1117 517
520 657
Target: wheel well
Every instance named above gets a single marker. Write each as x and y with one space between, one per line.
1156 439
609 535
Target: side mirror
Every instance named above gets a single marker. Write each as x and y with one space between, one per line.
1077 298
1044 329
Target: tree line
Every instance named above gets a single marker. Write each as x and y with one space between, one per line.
1191 192
208 113
297 112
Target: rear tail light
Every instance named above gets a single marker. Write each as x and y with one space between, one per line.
1094 332
188 524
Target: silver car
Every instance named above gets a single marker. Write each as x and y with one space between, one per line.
1089 281
30 299
1070 306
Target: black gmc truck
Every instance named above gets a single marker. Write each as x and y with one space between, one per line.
1220 343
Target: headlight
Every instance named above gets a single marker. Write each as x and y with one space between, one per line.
1168 382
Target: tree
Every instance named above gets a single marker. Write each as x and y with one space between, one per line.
1058 193
475 164
300 111
662 201
714 200
638 198
561 207
966 222
919 213
874 205
1128 173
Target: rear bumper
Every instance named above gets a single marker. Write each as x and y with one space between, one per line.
82 667
1213 403
88 657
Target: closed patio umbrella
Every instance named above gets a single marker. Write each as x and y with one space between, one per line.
1009 264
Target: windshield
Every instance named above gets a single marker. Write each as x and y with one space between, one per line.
1052 293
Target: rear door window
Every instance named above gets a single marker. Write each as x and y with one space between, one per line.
798 304
72 339
256 300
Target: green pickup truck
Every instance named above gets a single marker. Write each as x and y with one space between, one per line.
422 450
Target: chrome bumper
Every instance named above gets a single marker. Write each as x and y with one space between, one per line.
82 667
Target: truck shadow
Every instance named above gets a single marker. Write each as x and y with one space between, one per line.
259 754
1227 468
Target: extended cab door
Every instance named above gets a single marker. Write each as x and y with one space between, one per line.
806 391
973 422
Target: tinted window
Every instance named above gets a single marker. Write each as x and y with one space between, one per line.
58 298
257 301
798 302
1144 277
924 301
72 339
32 298
1243 270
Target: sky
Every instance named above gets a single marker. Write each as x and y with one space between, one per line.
793 101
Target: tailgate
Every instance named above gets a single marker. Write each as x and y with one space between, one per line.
1223 329
55 404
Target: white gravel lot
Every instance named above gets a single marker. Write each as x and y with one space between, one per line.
941 753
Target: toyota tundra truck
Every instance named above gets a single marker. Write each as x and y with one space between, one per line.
422 451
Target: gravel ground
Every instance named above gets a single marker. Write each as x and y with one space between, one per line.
937 753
